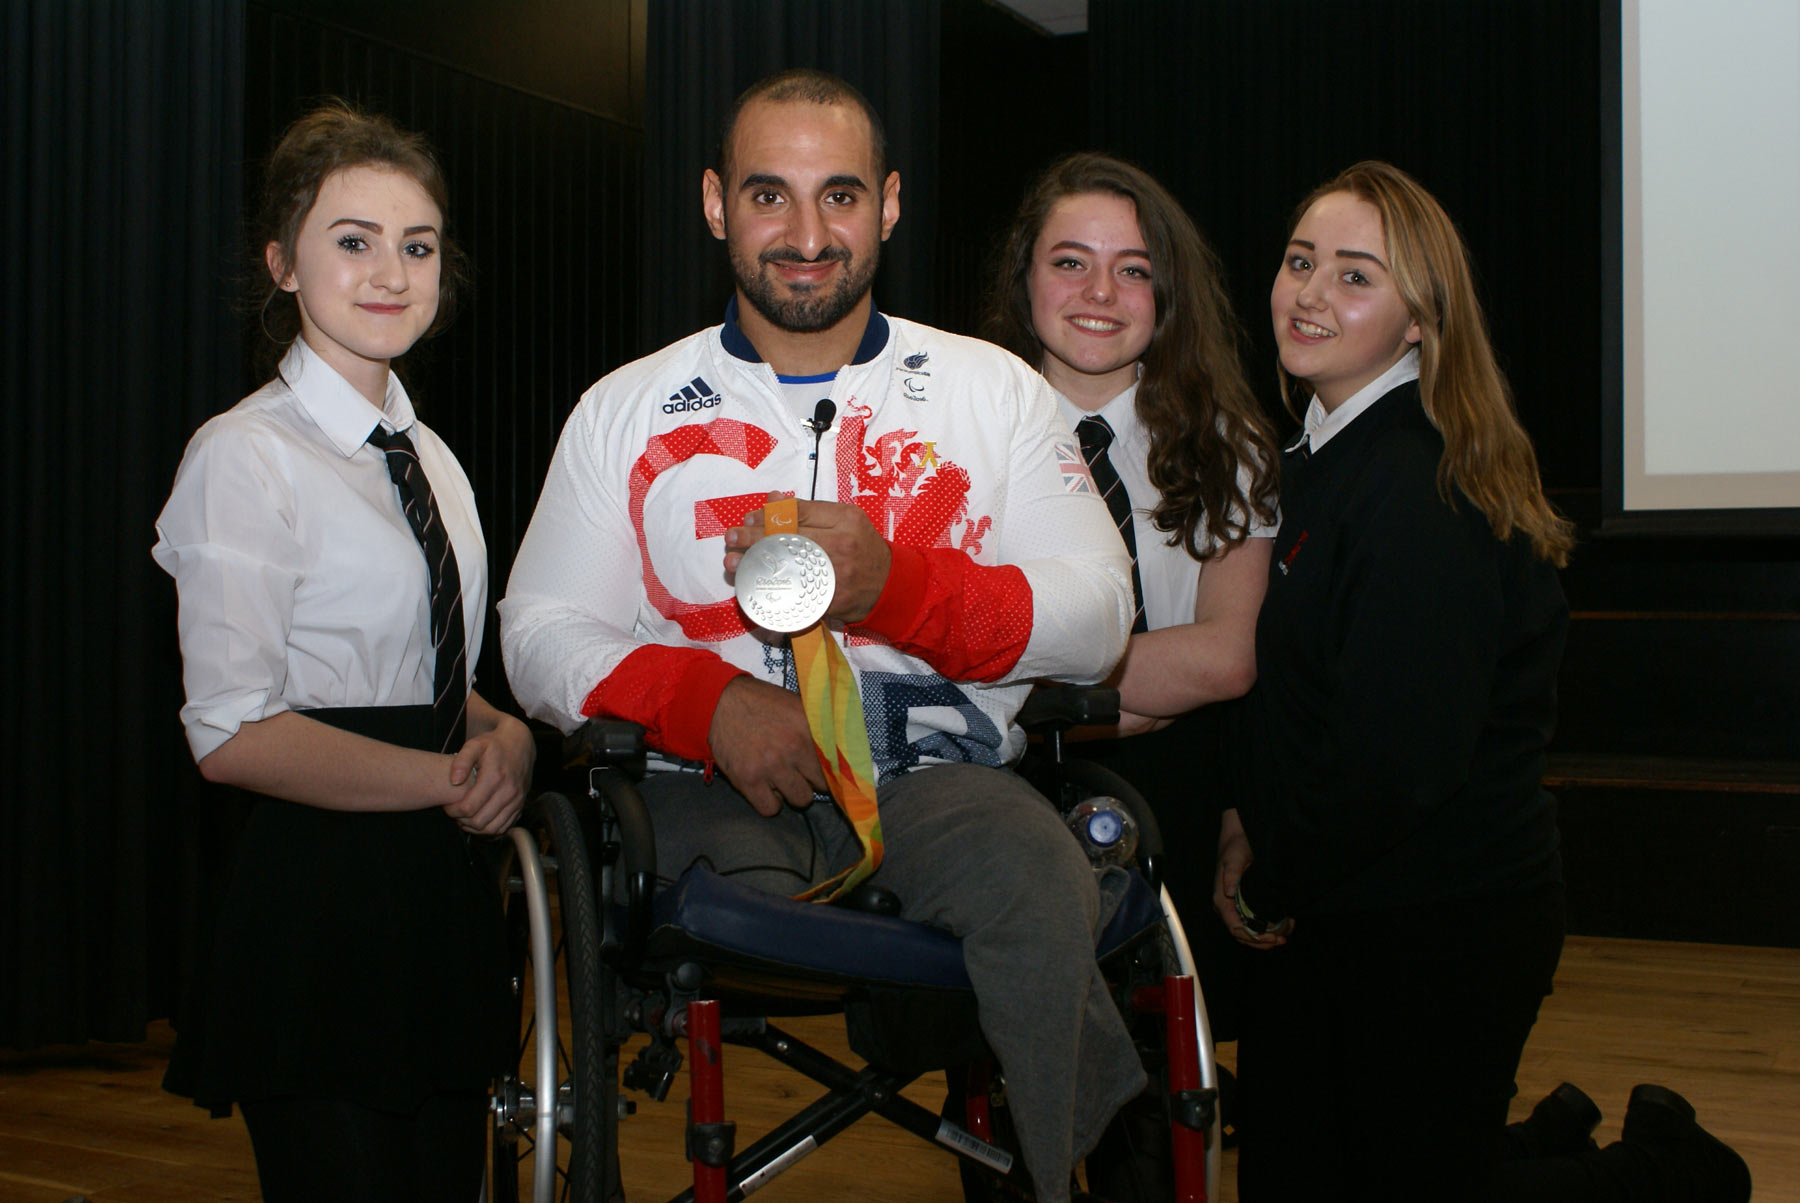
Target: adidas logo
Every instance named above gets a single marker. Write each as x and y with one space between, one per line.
695 394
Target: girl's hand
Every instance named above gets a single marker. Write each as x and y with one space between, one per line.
493 769
1235 856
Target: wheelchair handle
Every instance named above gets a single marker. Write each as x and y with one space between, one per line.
604 741
1053 708
612 751
637 839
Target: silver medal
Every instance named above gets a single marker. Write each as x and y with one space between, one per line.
785 583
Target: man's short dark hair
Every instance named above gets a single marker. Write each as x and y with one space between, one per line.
805 85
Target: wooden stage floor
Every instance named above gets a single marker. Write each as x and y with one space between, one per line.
1720 1024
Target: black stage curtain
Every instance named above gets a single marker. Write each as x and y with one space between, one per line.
1242 107
543 199
132 128
701 54
1015 99
120 206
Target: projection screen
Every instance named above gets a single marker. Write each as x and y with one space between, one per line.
1703 247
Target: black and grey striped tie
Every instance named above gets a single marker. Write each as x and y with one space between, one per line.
1096 436
450 676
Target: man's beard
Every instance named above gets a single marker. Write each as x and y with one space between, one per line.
809 311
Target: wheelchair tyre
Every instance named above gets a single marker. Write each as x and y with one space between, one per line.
1132 1161
541 952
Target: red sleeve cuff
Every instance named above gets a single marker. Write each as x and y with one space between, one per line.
902 595
671 691
969 621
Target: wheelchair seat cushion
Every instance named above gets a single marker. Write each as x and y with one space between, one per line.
703 916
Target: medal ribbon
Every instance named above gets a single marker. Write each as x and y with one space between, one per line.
834 715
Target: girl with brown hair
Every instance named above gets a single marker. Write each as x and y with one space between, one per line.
332 584
1108 288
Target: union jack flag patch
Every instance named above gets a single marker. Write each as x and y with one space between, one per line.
1074 469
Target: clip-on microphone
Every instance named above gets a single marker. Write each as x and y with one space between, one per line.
819 423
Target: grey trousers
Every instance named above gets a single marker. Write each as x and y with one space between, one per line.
975 851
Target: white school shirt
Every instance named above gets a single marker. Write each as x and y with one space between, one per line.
300 583
1170 576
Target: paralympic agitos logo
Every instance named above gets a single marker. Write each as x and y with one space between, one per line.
696 394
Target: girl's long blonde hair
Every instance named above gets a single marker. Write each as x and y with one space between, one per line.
1487 454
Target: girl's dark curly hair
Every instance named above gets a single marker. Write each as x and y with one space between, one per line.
1204 423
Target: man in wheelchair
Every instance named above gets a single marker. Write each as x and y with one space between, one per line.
971 557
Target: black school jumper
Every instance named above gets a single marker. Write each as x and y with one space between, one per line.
1394 746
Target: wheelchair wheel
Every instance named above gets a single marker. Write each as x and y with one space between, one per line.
548 1107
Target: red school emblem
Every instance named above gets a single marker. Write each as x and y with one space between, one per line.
1291 553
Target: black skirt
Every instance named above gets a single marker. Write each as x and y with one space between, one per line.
358 956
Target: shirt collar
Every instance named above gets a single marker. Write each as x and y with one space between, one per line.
738 345
1120 413
1321 427
343 414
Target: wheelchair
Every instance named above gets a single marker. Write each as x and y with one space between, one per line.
705 963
